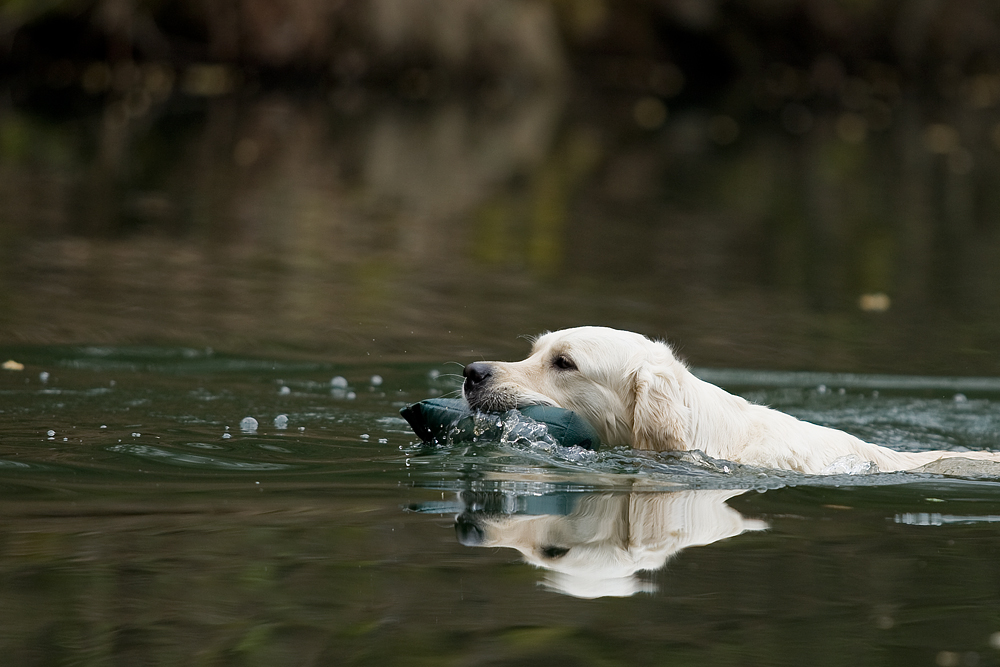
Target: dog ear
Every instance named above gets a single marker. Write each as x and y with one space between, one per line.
659 417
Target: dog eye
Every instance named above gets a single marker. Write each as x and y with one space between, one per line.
564 362
554 552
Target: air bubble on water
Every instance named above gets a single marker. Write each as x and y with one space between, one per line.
365 436
351 396
376 380
137 435
302 429
50 433
226 436
339 382
821 389
281 422
43 376
248 425
434 374
104 425
960 398
383 441
285 391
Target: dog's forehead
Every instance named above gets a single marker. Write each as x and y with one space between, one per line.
590 339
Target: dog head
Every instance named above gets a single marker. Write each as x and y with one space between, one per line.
630 388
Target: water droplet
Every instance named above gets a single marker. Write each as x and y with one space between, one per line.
248 425
43 376
376 380
50 433
226 436
281 422
351 396
285 391
137 435
884 622
365 436
948 659
877 302
960 398
339 382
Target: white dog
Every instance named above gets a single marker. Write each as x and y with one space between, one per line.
635 392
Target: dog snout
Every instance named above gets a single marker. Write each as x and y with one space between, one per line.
468 532
477 373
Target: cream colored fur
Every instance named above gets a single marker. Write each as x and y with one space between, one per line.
635 392
597 549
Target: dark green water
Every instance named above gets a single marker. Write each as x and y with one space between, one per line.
143 525
177 267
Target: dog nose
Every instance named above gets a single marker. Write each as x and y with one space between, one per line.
477 372
468 533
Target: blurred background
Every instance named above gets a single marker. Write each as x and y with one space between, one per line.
790 184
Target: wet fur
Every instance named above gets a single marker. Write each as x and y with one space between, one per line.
636 392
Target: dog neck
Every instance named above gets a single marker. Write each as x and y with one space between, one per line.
719 421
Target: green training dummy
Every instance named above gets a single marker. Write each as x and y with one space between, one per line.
450 419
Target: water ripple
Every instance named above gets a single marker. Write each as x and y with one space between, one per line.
158 454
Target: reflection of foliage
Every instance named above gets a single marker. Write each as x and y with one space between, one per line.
224 211
424 48
527 224
804 185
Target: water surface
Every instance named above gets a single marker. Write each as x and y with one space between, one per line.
143 524
221 300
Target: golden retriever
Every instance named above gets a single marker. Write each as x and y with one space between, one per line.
635 392
597 549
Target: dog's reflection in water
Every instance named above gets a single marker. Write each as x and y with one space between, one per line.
594 544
